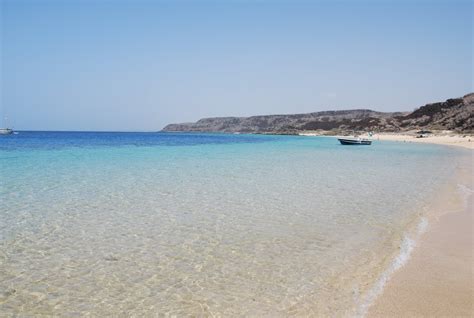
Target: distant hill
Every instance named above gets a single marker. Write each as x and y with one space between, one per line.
454 114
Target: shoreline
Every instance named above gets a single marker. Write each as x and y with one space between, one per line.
436 278
446 139
432 275
457 140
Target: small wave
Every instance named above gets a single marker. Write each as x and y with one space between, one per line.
406 248
465 189
466 193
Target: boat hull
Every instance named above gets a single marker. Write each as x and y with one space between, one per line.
6 131
344 141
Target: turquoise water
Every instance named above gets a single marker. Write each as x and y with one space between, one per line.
204 224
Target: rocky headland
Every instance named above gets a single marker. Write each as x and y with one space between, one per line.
456 114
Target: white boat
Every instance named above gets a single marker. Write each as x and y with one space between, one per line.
355 141
6 131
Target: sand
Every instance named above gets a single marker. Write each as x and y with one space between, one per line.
465 141
448 139
437 281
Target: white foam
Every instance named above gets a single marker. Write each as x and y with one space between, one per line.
466 193
406 248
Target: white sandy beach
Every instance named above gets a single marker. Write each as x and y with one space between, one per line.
448 139
465 141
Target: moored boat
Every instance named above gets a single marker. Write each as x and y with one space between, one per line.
6 131
354 141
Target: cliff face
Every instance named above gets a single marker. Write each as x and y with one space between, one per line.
454 114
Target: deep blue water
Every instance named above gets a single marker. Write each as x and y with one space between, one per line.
26 140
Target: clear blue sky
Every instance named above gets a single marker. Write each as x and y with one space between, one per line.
138 65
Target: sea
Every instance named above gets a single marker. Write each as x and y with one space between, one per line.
207 225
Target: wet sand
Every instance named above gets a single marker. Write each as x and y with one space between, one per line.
438 280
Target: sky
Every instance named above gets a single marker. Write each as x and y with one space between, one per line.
104 65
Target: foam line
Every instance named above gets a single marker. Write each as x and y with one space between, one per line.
406 248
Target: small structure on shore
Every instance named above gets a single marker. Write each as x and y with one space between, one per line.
423 133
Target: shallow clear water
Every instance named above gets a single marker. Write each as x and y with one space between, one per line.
191 224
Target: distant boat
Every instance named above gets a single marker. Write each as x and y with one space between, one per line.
354 141
6 131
